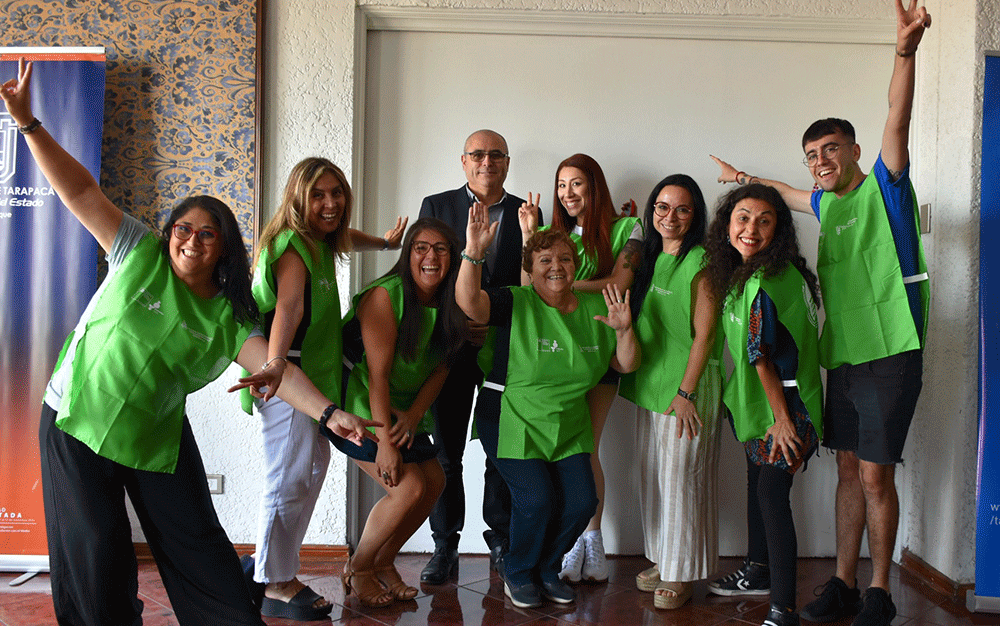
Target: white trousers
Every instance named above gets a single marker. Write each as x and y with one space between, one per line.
296 457
679 488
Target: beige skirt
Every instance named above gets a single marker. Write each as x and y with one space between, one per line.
679 487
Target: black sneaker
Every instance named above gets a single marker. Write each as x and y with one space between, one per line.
834 601
753 579
778 616
878 609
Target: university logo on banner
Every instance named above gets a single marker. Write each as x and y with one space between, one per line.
48 267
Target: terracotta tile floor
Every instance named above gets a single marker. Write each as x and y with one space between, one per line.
476 597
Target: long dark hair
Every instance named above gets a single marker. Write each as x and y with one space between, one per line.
450 328
232 270
598 215
652 241
723 263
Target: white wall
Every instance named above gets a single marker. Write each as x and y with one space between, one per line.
309 108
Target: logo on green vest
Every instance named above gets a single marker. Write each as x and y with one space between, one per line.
549 345
145 299
326 283
811 309
590 349
850 222
662 291
735 320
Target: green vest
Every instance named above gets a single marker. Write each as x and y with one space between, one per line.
321 356
744 393
867 312
620 231
665 334
149 342
554 360
406 378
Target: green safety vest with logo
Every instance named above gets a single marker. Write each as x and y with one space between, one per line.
620 231
744 394
148 342
664 331
321 349
405 378
554 360
867 312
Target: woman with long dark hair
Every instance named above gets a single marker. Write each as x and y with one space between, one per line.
401 336
775 394
173 312
609 249
677 388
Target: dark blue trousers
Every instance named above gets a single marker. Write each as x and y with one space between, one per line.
551 505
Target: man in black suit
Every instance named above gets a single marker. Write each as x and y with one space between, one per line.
485 161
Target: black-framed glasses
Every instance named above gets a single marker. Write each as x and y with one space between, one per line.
184 232
423 247
480 155
661 209
829 151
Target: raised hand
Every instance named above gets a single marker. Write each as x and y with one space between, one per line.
727 172
619 315
910 26
16 94
527 215
479 233
394 236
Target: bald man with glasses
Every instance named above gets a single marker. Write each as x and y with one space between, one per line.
485 159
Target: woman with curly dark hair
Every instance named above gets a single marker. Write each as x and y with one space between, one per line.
775 394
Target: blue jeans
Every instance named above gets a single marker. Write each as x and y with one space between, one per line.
551 504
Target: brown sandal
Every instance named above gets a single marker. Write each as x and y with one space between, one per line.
681 591
394 584
375 598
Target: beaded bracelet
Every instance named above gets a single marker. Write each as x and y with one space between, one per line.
31 127
472 260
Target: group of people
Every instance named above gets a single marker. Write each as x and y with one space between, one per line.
548 322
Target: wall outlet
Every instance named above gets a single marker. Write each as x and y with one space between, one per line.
215 482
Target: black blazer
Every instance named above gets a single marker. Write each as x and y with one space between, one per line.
452 208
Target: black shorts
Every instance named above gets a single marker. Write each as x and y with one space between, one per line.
423 448
869 406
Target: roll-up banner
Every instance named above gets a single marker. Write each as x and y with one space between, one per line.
986 596
48 269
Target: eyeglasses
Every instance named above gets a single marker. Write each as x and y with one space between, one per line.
480 155
829 151
423 247
662 209
184 232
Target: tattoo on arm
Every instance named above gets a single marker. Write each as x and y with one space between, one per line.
894 175
633 254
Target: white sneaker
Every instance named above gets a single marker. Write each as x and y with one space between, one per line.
595 564
572 563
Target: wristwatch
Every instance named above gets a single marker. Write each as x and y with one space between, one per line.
688 396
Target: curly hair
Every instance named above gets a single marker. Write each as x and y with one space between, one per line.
292 214
724 265
232 271
652 242
543 240
599 213
450 328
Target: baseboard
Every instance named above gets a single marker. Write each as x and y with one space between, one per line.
314 552
920 569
